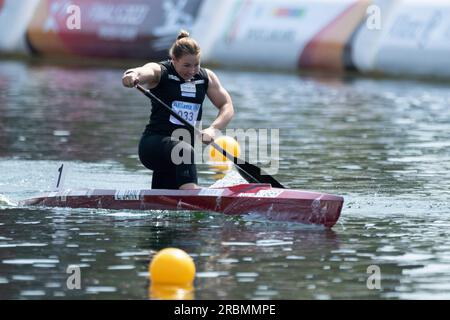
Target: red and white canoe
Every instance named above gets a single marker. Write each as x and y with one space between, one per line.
275 204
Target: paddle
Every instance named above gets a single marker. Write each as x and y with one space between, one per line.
248 171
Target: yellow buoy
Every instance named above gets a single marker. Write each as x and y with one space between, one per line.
172 266
227 143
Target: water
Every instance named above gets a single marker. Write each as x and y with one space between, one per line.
382 144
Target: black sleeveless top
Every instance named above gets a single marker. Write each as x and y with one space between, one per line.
184 97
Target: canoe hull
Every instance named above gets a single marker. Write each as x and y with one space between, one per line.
274 204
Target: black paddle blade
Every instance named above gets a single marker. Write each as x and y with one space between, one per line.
254 174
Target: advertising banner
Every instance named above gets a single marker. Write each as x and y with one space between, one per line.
287 34
14 18
414 39
138 29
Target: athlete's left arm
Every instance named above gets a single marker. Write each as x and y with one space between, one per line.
221 100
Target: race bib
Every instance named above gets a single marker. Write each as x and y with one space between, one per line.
187 110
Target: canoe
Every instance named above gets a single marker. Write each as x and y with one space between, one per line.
272 203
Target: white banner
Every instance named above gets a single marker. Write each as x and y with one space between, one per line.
414 39
14 18
267 34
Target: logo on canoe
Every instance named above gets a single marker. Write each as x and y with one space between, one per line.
210 192
262 194
127 195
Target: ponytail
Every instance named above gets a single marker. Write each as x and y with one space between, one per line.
184 45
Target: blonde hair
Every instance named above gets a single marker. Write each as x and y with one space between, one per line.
184 45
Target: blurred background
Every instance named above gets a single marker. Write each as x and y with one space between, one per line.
360 94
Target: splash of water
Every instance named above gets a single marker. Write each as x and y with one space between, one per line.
230 179
4 201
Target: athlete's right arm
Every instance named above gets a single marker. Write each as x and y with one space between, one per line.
149 74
